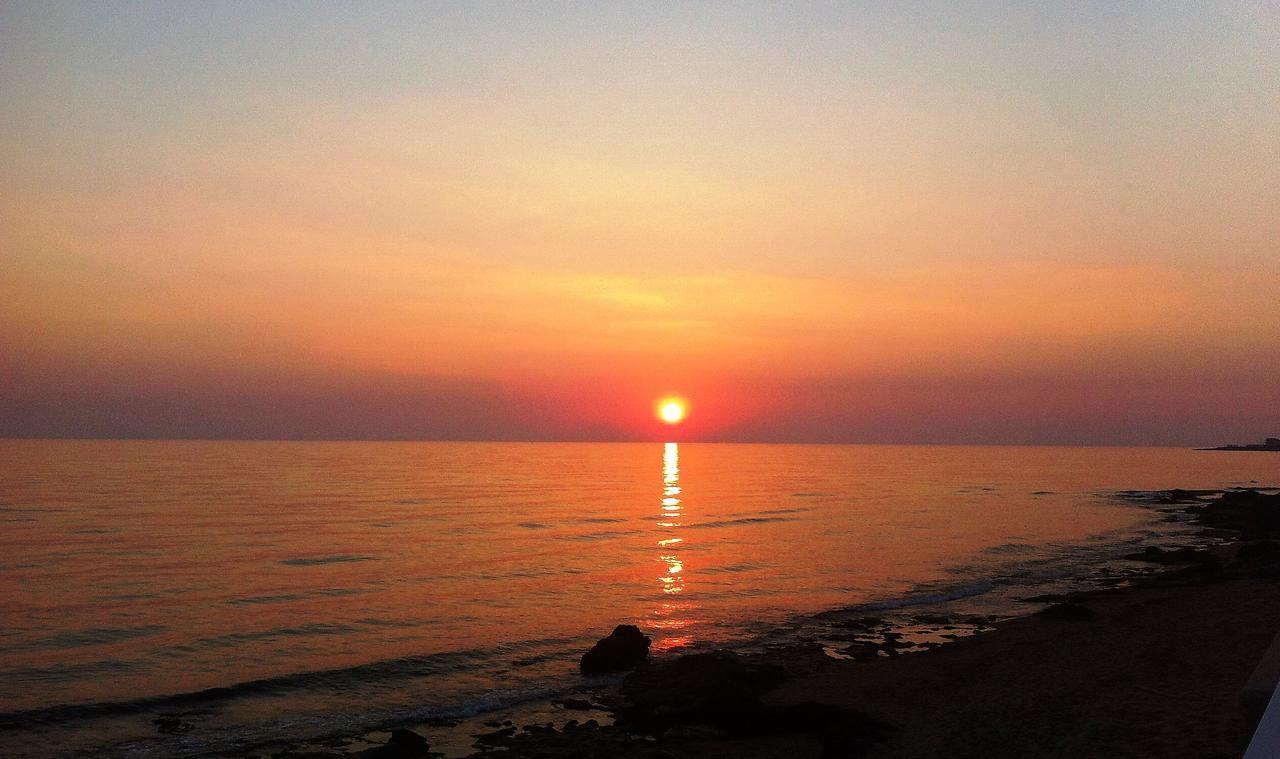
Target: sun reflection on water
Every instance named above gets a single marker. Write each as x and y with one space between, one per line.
671 615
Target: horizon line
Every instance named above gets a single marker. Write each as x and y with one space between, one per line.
569 441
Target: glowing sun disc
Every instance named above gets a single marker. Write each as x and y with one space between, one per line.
671 411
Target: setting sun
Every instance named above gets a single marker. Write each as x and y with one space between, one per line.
672 410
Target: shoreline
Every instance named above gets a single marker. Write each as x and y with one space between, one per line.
1154 664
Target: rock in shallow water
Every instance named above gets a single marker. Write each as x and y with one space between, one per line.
625 647
403 744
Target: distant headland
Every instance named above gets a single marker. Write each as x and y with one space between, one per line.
1270 444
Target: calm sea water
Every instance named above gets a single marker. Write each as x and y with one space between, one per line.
301 588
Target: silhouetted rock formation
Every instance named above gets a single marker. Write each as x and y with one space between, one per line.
1251 513
625 647
403 744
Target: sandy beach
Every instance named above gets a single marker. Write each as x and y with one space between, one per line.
1155 667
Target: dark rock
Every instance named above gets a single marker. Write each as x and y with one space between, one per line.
171 725
931 619
408 740
892 642
625 647
1067 611
576 704
403 744
719 688
496 738
862 651
1259 558
1154 555
1253 514
862 623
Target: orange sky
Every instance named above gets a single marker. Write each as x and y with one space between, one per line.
830 224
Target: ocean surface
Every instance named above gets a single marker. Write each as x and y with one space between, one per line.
265 589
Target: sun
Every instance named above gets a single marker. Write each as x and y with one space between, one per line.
672 410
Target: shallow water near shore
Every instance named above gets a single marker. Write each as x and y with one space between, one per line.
260 590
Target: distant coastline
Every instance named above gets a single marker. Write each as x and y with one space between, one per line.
1270 444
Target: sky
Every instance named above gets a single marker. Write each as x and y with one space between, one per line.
939 222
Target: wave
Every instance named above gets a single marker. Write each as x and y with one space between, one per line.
1009 548
733 522
602 535
916 597
231 640
729 569
93 636
387 674
9 508
317 560
287 597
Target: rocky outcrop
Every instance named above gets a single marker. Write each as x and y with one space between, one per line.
1251 513
625 647
403 744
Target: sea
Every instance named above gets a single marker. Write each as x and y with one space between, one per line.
304 589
